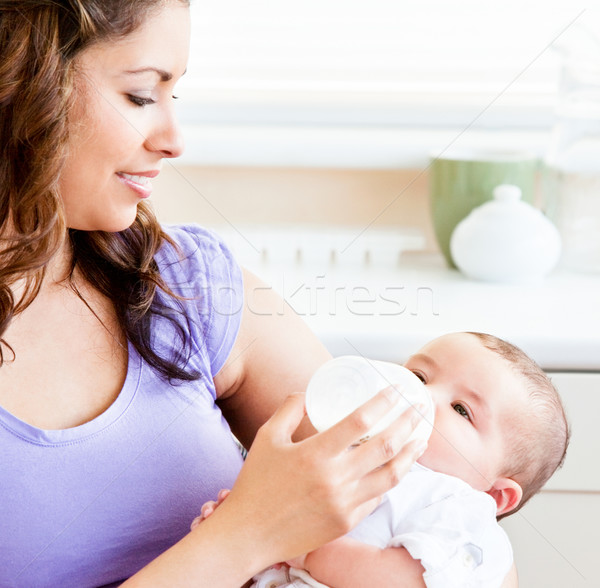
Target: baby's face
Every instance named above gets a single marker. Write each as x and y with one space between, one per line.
476 394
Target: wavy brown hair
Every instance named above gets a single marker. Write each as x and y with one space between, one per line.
39 41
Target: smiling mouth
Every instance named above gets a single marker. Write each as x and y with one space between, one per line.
142 180
140 184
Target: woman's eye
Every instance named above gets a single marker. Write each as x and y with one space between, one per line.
460 409
139 100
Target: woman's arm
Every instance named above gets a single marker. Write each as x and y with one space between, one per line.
289 498
347 563
275 355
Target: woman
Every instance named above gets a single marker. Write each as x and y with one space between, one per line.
127 357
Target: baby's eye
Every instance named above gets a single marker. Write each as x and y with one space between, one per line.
460 409
420 376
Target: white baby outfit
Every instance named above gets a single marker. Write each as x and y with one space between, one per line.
442 522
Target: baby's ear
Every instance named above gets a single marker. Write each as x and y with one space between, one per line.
507 493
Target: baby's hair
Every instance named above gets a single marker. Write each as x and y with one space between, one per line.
540 438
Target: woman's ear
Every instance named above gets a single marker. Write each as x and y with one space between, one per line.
507 493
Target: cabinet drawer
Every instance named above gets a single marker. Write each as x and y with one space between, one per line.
555 539
556 536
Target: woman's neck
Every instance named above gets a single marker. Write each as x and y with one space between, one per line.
56 274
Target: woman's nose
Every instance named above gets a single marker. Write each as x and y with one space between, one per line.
167 138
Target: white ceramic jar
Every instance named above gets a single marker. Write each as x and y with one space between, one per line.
505 240
343 384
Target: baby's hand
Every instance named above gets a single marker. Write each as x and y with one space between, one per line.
208 508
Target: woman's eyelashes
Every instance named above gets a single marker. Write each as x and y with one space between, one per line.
420 375
140 100
143 100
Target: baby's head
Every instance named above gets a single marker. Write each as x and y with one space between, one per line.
500 425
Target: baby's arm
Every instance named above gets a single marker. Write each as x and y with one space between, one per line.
348 563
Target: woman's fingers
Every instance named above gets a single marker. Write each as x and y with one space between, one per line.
355 426
382 479
384 446
377 465
287 418
322 487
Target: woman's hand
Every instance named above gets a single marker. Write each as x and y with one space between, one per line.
305 494
291 497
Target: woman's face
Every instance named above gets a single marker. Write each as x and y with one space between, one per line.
123 124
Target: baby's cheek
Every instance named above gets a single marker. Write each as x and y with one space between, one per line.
428 459
437 455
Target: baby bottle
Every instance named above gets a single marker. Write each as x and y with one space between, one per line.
341 385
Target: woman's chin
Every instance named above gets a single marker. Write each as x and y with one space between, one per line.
106 225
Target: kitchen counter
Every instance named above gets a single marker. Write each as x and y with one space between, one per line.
387 312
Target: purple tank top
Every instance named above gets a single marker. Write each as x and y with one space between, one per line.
91 505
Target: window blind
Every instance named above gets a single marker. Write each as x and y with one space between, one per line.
382 63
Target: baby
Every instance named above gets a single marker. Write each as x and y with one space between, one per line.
500 432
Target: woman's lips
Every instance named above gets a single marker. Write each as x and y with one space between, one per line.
141 183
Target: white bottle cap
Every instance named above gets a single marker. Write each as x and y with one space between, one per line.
343 384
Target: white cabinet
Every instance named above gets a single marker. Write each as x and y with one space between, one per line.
556 537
